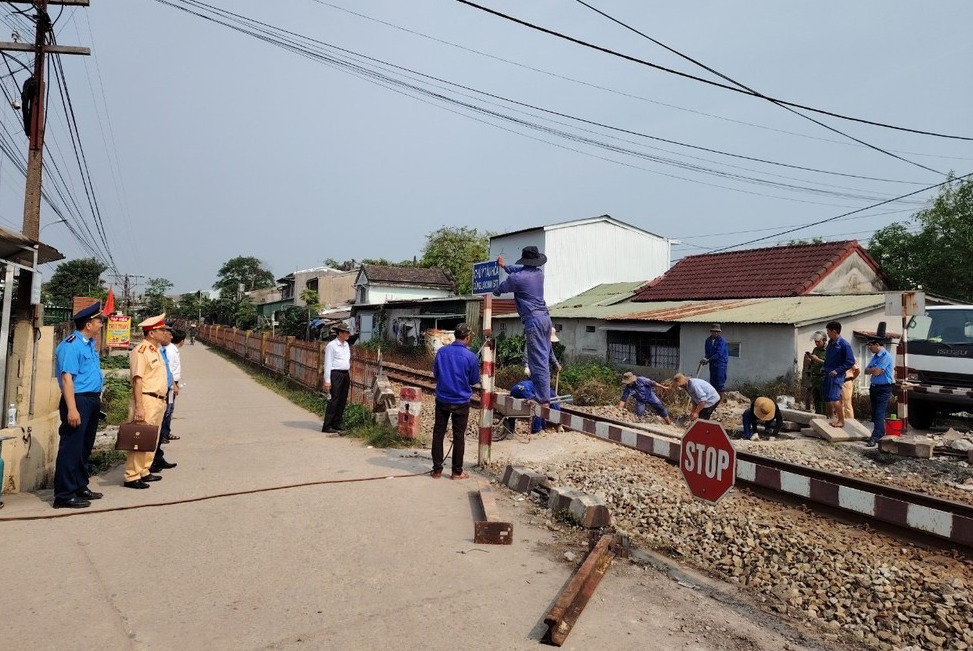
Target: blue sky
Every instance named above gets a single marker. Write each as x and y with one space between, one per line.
204 144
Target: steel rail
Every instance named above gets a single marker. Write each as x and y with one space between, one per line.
916 512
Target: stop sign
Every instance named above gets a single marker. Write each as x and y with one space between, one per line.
708 461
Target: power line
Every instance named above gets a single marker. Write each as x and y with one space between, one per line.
705 81
853 212
754 92
273 35
615 91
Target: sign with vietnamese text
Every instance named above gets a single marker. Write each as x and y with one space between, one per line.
486 277
118 330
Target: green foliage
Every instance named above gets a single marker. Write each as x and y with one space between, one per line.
382 436
104 460
292 322
155 300
244 272
454 249
194 306
509 351
356 415
115 399
116 361
75 278
936 258
587 369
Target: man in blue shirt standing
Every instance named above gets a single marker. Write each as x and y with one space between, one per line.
838 358
717 356
879 393
526 281
456 370
79 376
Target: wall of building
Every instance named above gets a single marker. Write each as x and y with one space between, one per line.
29 456
852 276
385 293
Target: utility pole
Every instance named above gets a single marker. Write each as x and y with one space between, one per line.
23 356
34 93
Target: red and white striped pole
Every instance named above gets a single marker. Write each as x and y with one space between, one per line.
902 410
487 395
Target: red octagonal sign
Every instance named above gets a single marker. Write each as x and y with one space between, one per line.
708 461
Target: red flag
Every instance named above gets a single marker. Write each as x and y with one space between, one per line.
109 303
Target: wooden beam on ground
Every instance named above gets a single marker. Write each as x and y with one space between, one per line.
492 531
562 617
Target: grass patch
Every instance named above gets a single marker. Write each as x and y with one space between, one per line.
382 436
104 460
115 399
114 362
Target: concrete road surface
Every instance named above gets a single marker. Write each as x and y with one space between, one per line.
271 535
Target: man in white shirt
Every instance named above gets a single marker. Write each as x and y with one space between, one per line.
337 362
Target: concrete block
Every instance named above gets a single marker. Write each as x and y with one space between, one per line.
852 431
408 425
919 447
411 394
560 498
798 416
590 511
521 479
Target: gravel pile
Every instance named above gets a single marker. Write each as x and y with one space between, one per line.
851 582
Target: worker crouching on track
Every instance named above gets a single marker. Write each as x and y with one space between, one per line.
641 388
763 411
704 397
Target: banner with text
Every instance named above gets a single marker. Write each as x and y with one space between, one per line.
118 331
486 277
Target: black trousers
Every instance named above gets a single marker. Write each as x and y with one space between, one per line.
460 415
708 411
74 448
340 383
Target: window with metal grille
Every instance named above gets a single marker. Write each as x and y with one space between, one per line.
655 349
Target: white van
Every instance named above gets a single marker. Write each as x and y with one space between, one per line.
940 360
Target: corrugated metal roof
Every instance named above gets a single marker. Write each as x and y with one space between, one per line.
794 310
577 222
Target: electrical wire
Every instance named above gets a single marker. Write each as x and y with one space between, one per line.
272 35
615 91
706 81
756 93
847 214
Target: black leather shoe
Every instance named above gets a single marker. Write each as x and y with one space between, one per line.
88 494
162 465
138 483
152 478
70 503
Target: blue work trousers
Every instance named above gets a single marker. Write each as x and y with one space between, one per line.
717 375
879 396
653 402
537 332
75 445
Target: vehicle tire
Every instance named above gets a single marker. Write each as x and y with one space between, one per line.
921 414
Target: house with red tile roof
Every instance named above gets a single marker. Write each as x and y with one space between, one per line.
795 270
769 302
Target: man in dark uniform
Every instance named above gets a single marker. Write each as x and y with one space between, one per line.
79 376
717 355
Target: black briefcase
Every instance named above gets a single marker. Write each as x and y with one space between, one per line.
137 436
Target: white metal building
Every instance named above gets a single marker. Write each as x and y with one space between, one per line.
587 252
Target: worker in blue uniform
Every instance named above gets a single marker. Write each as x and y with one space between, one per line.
716 356
838 358
642 388
526 281
81 382
880 367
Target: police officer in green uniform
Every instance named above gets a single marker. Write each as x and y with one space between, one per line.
79 375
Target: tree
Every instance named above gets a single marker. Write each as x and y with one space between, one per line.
454 249
310 299
154 300
936 257
75 278
247 272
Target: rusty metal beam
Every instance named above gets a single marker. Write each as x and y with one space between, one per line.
491 531
565 612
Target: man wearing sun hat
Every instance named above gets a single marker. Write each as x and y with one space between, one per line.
642 388
150 384
81 382
763 411
716 356
526 281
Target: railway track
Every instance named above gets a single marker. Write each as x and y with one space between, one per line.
916 514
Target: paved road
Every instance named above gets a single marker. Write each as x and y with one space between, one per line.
271 535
